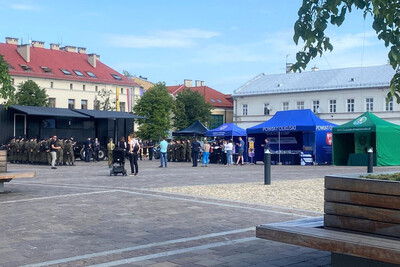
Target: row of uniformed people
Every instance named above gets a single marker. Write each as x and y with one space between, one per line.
34 151
179 150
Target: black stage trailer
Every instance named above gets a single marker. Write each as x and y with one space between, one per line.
43 122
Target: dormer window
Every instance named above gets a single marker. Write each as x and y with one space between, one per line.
115 76
66 72
25 67
79 73
10 67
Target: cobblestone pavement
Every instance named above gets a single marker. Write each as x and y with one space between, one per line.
80 216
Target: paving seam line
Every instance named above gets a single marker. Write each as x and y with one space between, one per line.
139 247
58 196
162 195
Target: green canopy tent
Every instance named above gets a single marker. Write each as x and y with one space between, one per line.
352 139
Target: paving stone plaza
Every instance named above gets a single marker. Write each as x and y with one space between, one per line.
80 216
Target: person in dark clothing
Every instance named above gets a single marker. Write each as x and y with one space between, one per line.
150 146
96 149
87 146
134 149
195 151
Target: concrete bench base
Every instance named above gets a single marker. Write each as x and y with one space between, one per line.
358 246
8 176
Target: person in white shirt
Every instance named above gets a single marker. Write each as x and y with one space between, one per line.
228 148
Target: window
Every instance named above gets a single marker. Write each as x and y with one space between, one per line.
46 69
84 87
212 100
315 106
285 106
219 101
77 72
216 121
71 86
122 91
91 74
52 102
96 88
25 67
300 104
332 106
266 108
115 76
71 103
66 72
389 105
83 104
244 110
51 84
350 105
369 104
122 106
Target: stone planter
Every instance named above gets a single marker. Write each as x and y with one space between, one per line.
364 205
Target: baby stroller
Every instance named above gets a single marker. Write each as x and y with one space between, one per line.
118 164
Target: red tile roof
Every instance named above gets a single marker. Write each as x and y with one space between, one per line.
60 59
212 96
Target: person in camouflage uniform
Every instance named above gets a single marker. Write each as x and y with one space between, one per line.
182 150
37 152
67 153
48 155
30 147
24 151
174 150
188 151
169 151
12 150
60 152
110 149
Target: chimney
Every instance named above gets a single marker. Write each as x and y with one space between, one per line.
288 66
202 83
11 40
25 52
187 83
81 50
198 83
54 46
97 57
38 44
315 68
69 48
92 58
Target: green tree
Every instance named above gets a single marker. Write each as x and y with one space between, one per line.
189 107
7 91
127 74
105 102
156 105
30 94
315 15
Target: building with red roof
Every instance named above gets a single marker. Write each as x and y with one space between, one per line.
71 77
222 103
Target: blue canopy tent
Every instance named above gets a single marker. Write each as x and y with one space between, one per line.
295 131
229 131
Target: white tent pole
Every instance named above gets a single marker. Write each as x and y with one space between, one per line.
279 147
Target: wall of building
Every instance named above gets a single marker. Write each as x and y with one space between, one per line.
60 90
255 104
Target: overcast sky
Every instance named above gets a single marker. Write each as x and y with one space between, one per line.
222 42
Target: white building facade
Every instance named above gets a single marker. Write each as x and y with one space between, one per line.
337 96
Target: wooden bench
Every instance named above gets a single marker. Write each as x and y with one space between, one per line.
360 226
7 176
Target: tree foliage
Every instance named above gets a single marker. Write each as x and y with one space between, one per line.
105 102
156 105
30 94
7 91
189 107
127 74
315 15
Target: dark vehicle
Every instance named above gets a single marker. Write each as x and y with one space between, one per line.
156 152
79 152
118 164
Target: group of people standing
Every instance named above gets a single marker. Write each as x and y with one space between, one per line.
131 148
38 151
